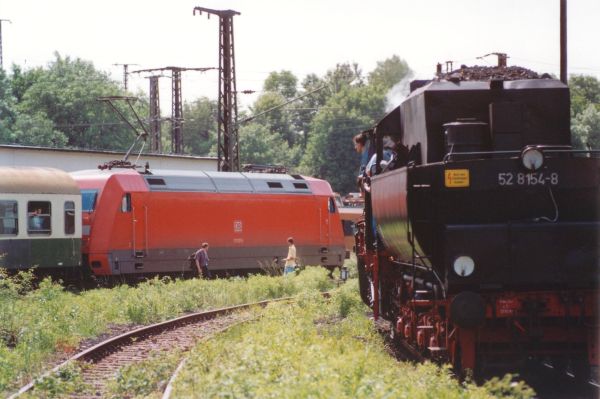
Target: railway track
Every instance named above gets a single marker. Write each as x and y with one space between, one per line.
102 361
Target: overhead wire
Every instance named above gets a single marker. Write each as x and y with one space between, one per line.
122 124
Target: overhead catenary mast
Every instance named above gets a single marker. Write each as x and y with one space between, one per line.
125 73
155 125
228 142
176 106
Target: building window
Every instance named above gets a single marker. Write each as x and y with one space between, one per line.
69 217
9 220
38 217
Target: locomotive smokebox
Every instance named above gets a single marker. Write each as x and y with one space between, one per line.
467 310
467 136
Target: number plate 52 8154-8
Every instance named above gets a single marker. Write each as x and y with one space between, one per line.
527 179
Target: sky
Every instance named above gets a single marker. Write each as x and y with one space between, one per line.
301 36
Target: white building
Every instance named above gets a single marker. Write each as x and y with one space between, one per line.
71 160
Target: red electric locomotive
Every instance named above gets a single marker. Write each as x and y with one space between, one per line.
482 234
139 224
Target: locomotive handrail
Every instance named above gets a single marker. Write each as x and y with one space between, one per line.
482 153
407 264
426 269
515 152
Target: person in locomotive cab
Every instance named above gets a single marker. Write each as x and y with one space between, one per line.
361 146
290 260
388 154
201 258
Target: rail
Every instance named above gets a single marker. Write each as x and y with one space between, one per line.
99 351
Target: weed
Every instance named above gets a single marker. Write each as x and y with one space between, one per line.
19 284
144 377
272 268
67 380
508 387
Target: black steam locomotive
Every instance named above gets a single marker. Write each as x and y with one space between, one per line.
481 235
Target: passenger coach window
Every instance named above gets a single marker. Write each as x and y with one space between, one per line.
9 220
69 217
88 200
38 217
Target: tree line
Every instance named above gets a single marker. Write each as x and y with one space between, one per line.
57 106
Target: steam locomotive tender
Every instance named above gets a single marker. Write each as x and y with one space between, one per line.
481 236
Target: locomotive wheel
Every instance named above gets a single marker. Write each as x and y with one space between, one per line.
365 283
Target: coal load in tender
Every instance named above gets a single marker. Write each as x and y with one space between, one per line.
482 73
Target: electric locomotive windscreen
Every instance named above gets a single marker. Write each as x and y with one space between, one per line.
88 200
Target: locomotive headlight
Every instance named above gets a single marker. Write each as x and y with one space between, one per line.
532 158
464 266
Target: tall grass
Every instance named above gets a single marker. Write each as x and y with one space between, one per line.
316 349
35 323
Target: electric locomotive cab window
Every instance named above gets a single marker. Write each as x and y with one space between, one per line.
331 205
38 217
126 203
88 200
69 217
9 221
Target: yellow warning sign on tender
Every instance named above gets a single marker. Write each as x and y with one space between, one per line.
456 177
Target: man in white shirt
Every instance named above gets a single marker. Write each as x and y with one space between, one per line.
290 261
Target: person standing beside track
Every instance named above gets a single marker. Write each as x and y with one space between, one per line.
201 258
290 260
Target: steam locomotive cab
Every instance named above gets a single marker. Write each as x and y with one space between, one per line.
487 227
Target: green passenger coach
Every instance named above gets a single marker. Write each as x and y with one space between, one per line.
40 221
